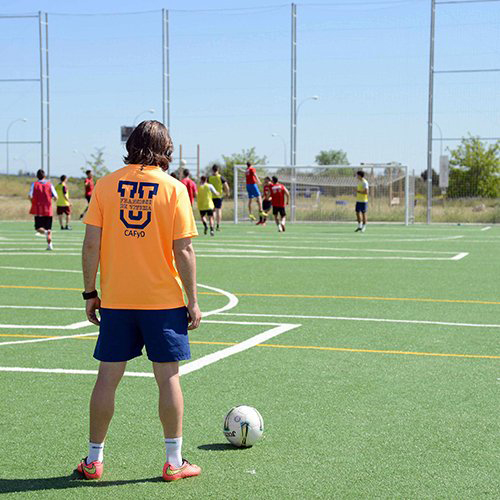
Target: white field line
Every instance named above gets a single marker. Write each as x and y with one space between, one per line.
50 308
242 346
24 244
39 269
73 326
232 302
284 246
190 367
221 322
376 320
44 253
344 238
486 228
328 257
236 256
221 249
48 339
460 256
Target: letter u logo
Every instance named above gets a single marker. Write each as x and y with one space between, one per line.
135 209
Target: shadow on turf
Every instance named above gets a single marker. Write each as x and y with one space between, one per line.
64 482
220 447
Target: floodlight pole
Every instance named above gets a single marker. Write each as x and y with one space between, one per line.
47 102
42 120
166 69
430 113
293 110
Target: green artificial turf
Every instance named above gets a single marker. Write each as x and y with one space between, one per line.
352 408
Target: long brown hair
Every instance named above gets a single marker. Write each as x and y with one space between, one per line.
149 144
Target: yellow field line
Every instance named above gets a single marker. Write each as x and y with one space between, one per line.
41 336
310 347
356 297
288 296
378 351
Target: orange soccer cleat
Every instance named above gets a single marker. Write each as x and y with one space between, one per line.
185 470
93 470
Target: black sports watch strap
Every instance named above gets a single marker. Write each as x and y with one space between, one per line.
89 295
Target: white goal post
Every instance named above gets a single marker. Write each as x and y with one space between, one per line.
322 193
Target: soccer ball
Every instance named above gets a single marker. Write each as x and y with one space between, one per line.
243 426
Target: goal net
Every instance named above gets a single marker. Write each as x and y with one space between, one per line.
322 193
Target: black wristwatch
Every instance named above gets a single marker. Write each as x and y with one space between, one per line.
89 295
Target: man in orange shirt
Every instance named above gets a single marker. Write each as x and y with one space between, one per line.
139 229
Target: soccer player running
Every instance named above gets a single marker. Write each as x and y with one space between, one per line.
63 203
41 194
361 201
138 229
206 204
266 201
221 186
252 179
89 189
280 197
190 185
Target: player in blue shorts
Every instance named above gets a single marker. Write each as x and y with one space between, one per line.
252 180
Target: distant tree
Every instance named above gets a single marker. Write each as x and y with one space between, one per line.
96 164
475 169
332 157
240 159
435 177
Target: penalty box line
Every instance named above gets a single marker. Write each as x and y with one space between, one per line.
197 364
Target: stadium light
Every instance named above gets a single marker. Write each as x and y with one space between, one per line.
274 134
7 138
311 98
142 113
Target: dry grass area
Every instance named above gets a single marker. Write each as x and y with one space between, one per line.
16 208
14 204
14 185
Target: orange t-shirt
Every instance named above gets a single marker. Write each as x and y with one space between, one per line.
141 210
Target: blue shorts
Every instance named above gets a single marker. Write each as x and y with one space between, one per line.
124 332
217 202
361 206
253 191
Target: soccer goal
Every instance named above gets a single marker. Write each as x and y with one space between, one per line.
327 193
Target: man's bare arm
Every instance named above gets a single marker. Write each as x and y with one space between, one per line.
90 264
185 261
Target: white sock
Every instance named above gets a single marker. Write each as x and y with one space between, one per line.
96 452
360 225
173 447
363 225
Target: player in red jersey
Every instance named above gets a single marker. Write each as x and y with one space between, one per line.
266 202
89 189
279 198
252 180
190 185
41 194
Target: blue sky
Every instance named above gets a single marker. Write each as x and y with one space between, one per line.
230 77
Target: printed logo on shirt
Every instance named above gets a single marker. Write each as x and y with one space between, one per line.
136 199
